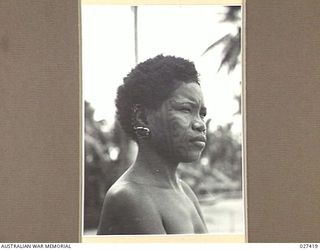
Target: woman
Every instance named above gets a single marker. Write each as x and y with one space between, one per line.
160 106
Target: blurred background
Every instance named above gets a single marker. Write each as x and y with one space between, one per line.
114 39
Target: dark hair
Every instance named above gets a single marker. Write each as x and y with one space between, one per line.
149 84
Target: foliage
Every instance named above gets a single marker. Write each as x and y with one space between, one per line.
231 42
106 158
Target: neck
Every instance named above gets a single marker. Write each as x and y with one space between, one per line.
155 168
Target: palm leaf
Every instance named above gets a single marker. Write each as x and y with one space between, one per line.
231 14
231 52
232 47
221 40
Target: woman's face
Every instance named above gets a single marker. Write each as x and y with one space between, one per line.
177 128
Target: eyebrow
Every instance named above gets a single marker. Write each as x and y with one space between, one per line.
203 108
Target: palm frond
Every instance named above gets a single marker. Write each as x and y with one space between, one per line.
232 14
232 43
231 52
221 40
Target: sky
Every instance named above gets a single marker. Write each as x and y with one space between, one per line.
185 31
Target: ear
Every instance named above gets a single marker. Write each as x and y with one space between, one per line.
139 115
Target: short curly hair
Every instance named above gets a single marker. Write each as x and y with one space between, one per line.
149 84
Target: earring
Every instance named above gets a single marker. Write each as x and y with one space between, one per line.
142 132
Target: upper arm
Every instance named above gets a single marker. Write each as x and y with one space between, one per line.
129 212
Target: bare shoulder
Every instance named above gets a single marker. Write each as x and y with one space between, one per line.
127 196
127 209
124 192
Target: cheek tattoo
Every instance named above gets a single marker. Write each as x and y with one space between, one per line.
178 130
173 132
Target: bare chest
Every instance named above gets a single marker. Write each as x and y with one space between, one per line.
179 214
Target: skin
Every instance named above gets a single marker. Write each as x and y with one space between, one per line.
149 198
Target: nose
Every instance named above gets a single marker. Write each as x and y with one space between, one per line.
199 125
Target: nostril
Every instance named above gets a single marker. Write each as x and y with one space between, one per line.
199 126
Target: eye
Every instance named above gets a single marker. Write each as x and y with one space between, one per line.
203 114
185 109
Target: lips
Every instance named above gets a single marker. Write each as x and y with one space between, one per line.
199 141
200 138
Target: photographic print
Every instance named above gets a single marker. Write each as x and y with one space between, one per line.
162 120
42 197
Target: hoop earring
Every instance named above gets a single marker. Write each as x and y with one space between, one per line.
142 132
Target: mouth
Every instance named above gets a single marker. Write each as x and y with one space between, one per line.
199 144
199 141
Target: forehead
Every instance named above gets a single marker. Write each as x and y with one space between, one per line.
188 92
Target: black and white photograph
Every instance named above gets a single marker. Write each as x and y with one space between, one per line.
151 124
163 126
